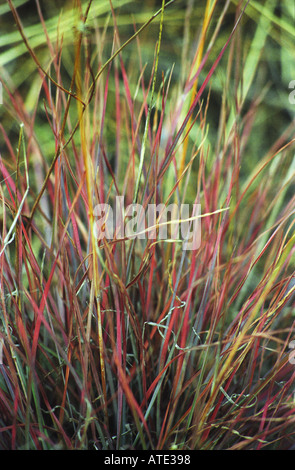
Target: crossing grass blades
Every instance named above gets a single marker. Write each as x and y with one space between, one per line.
136 343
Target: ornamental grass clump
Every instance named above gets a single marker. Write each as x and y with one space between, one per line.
116 339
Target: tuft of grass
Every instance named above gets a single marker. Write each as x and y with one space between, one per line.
136 343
